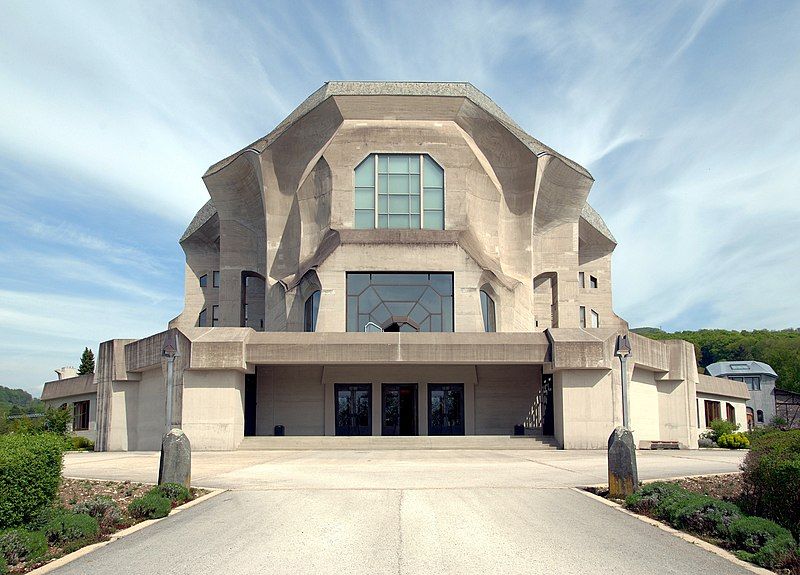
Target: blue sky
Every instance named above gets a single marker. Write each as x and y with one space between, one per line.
686 113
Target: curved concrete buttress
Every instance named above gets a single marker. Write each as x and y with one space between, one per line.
561 194
236 190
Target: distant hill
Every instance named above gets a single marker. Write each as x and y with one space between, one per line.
780 349
19 399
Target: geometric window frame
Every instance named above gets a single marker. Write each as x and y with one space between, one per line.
399 191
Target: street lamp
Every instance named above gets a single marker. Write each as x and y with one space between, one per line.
624 352
169 349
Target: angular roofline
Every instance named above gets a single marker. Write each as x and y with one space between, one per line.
724 367
377 88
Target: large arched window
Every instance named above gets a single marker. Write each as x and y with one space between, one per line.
487 309
400 191
310 312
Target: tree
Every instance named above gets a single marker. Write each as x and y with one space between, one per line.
87 362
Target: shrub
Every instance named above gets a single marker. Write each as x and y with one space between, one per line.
698 513
704 441
18 545
150 506
30 471
720 427
771 476
79 442
65 526
761 541
101 508
651 496
3 566
175 492
734 441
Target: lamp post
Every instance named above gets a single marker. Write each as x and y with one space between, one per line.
624 352
175 465
170 350
623 474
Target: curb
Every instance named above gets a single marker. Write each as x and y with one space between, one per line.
719 551
61 561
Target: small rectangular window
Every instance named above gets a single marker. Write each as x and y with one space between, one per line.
215 281
202 319
583 316
80 415
713 411
592 282
581 279
214 315
595 319
204 280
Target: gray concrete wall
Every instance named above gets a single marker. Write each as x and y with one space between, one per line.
213 409
505 396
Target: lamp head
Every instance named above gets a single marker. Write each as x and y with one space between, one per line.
170 346
623 346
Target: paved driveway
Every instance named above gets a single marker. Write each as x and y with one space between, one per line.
400 512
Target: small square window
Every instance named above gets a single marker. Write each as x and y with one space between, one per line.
214 315
204 280
215 281
592 282
581 279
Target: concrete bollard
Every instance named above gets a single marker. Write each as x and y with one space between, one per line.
176 459
623 475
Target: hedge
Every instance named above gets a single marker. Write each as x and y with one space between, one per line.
30 472
771 475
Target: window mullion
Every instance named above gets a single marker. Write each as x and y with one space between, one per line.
375 196
421 192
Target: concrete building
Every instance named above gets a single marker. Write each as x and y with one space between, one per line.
397 259
78 394
760 381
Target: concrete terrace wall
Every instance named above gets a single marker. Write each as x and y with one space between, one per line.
213 409
504 397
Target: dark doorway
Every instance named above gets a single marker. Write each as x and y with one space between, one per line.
446 409
353 409
399 409
548 420
250 393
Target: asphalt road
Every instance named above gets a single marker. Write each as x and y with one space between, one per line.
400 512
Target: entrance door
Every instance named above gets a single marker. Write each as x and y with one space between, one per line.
446 409
353 409
399 411
250 404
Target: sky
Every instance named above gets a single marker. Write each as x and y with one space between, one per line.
687 114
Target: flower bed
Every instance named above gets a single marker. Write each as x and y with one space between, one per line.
85 512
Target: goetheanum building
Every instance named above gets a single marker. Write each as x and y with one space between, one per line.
396 259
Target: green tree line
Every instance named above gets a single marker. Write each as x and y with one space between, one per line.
780 349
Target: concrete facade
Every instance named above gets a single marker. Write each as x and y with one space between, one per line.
314 307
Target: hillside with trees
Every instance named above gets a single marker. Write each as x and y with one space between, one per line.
18 401
780 349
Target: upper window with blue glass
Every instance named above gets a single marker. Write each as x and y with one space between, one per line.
399 191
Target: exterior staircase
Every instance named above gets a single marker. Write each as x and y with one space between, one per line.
368 443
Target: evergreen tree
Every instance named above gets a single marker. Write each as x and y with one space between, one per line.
87 362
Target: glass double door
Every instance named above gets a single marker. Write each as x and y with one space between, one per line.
399 409
353 409
446 409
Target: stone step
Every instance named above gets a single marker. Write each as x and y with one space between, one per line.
489 442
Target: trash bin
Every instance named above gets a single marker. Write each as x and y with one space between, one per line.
280 431
518 430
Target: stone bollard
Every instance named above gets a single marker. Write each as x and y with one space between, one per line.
176 459
623 476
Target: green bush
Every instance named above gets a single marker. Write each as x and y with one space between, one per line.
3 566
734 441
30 472
698 513
66 526
101 508
175 492
761 541
18 545
651 496
79 442
771 475
720 427
150 506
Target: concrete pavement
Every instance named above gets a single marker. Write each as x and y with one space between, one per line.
400 512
